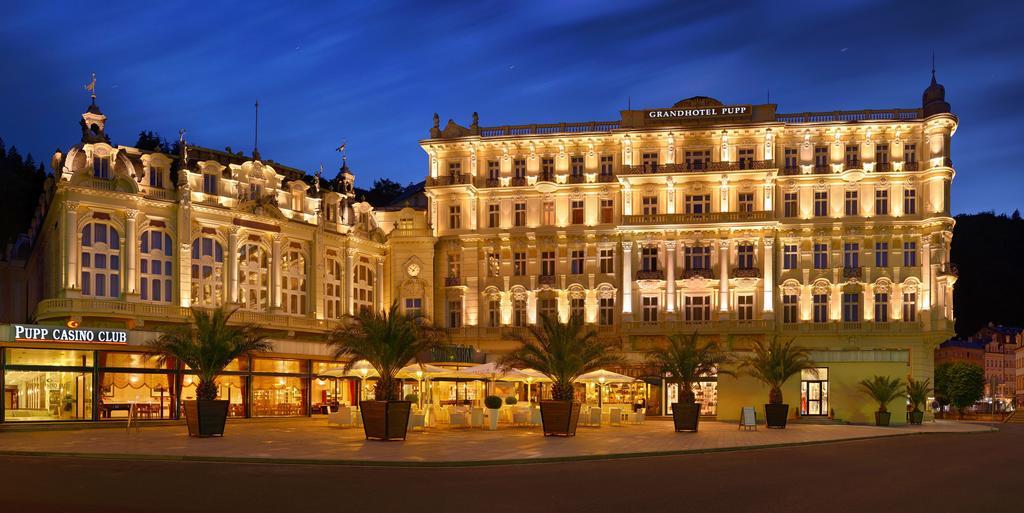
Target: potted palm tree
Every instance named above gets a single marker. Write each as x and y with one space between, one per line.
773 364
388 340
207 345
917 392
884 390
562 351
684 361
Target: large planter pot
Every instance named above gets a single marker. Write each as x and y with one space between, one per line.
385 420
882 418
775 415
559 417
916 417
493 419
206 417
686 416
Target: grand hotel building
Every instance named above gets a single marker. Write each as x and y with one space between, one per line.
734 221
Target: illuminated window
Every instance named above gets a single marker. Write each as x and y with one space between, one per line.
820 307
101 261
790 202
333 287
790 303
253 276
881 307
881 254
155 264
607 211
547 169
820 255
852 204
909 201
293 282
362 286
454 265
207 272
576 209
607 261
547 213
882 202
789 256
455 217
820 203
519 264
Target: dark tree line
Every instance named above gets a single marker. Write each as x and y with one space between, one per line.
989 251
22 179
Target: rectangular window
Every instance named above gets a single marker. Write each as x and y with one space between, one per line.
792 160
210 184
547 169
821 203
745 256
698 159
909 201
493 215
101 167
454 168
156 178
852 155
494 313
909 254
745 201
519 168
650 205
851 255
606 311
745 307
493 170
519 263
547 213
697 308
455 314
649 259
650 162
413 306
607 165
882 154
790 303
576 167
909 307
650 308
881 254
745 158
909 153
852 205
789 256
547 307
820 255
881 307
547 263
519 214
882 202
519 312
607 261
607 211
577 211
576 305
454 265
790 204
697 257
577 260
455 217
820 307
851 306
821 157
698 204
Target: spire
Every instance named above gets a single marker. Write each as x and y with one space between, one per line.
933 101
933 67
256 140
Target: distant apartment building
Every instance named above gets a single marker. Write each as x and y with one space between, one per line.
997 349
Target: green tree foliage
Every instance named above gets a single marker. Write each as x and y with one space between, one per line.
22 179
684 360
883 389
774 362
960 384
151 141
383 192
987 248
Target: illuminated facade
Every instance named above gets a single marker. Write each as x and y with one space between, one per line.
731 220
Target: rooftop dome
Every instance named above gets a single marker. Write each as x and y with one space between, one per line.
933 101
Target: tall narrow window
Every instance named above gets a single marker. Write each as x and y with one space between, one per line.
607 211
577 211
851 307
851 255
909 307
547 169
882 307
821 203
576 309
363 286
852 155
519 312
882 155
881 254
547 307
909 254
493 170
547 263
253 276
519 171
101 261
494 313
455 217
820 159
576 167
577 261
207 272
547 213
745 307
455 313
606 311
607 165
454 265
910 153
156 178
519 214
792 160
210 184
745 202
333 287
101 167
909 201
881 202
649 258
820 307
745 256
155 264
607 261
493 215
293 281
820 255
790 203
852 205
519 263
649 305
789 256
790 303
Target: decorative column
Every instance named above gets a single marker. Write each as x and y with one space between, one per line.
769 270
71 245
723 286
131 243
350 255
378 288
232 260
627 280
275 271
317 269
670 277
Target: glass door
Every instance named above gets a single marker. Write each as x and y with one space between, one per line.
814 392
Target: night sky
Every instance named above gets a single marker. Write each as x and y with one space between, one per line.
373 74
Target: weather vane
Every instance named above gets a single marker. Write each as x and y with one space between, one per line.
91 86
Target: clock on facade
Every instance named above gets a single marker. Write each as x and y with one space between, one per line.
413 269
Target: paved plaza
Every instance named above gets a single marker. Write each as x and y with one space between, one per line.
310 440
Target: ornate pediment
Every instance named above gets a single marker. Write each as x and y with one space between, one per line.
697 101
453 129
262 206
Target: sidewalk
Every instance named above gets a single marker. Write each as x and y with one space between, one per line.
310 441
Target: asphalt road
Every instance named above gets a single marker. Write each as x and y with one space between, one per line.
926 473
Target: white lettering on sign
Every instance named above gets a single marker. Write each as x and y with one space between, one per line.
705 112
29 332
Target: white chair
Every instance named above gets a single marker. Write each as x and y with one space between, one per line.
342 418
417 420
476 418
615 416
535 417
521 417
595 417
458 419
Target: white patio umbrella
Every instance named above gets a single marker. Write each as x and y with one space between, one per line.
531 376
360 369
491 371
601 377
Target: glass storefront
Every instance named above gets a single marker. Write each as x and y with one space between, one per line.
814 391
706 392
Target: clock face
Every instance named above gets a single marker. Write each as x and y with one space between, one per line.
413 269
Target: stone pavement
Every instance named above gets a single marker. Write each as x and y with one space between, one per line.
312 441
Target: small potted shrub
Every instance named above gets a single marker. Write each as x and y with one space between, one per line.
563 352
917 392
683 361
493 403
884 390
511 400
207 346
412 398
773 364
388 340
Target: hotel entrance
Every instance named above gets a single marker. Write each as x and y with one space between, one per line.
814 391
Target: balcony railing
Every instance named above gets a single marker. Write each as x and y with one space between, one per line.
697 167
791 170
949 269
663 326
883 167
460 179
911 166
452 281
707 274
546 279
710 217
862 326
518 181
822 170
577 179
606 177
492 182
746 272
853 272
546 177
650 275
849 115
547 129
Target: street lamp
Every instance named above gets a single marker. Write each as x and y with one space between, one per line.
362 383
600 390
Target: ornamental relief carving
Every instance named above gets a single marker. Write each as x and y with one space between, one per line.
606 292
821 287
745 284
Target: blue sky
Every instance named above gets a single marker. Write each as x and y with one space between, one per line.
374 73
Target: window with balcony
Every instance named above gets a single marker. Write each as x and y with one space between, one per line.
745 307
821 158
156 178
333 284
882 202
882 155
607 211
909 153
909 201
155 264
547 169
792 159
455 217
819 307
649 205
852 204
909 307
909 254
494 313
698 204
576 167
519 213
649 308
293 281
454 168
519 170
606 311
789 256
253 276
745 202
101 167
493 170
790 308
881 307
821 203
790 204
519 318
493 215
576 210
851 255
820 255
881 254
697 159
852 155
649 259
745 158
577 261
697 257
650 161
547 213
210 184
455 313
607 261
697 308
607 165
547 307
547 263
207 272
519 263
101 261
851 307
745 256
455 265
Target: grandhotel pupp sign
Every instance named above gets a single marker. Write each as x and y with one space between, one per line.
703 112
40 333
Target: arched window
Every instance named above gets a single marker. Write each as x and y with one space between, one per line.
362 286
155 267
293 282
207 272
253 277
333 288
101 261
